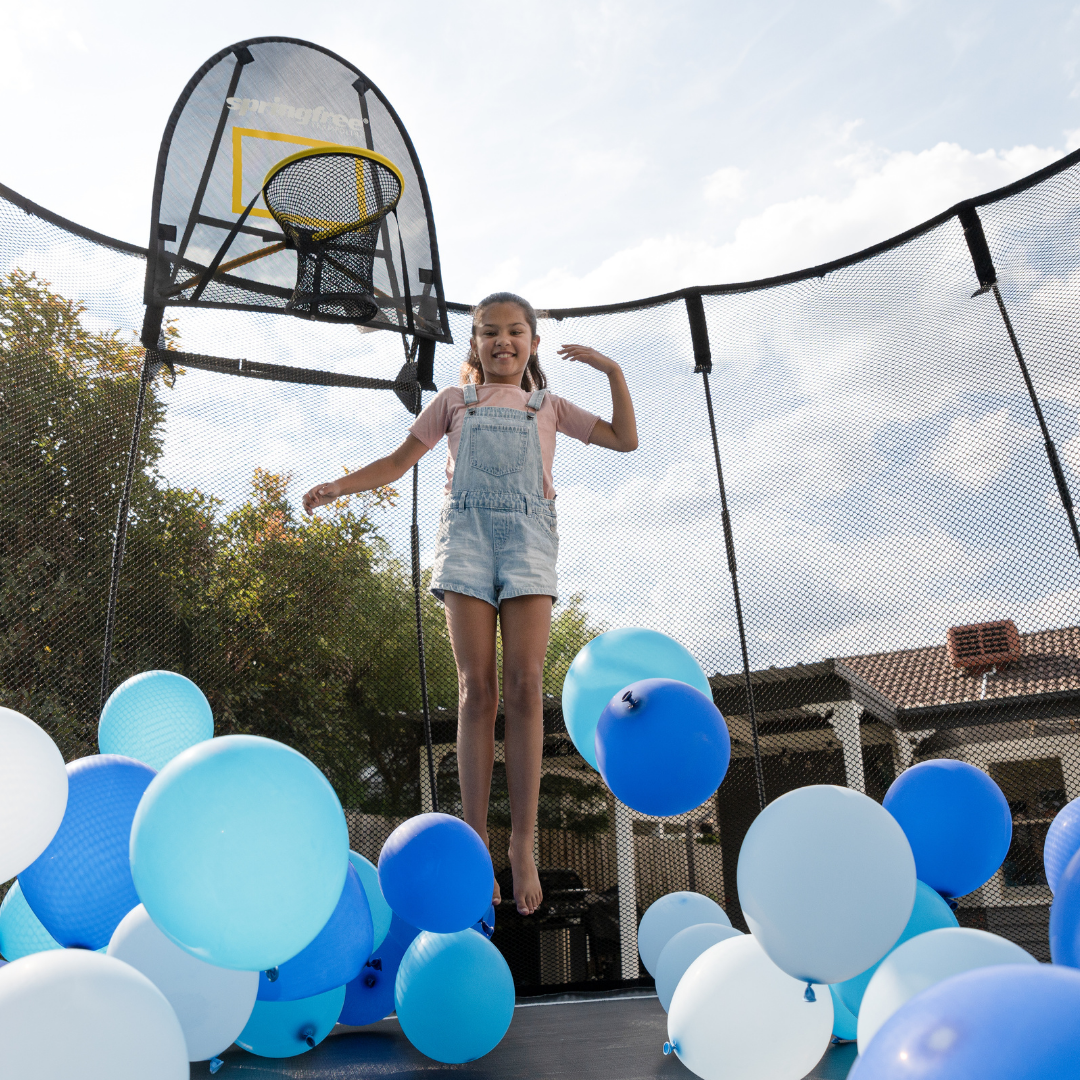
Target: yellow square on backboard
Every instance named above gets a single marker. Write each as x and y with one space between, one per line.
263 152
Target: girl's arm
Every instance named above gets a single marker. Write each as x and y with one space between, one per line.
621 433
384 471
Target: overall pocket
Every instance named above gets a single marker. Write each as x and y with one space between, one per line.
498 449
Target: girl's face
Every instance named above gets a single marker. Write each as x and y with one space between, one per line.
504 342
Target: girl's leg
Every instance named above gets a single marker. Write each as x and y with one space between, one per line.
471 623
525 622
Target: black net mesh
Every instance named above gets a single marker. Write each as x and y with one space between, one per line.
885 473
330 206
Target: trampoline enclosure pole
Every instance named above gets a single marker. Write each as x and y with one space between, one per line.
150 363
699 336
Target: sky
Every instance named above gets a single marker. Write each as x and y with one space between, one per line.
885 474
584 152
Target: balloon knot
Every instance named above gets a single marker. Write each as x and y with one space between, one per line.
370 981
375 962
630 700
308 1035
271 974
670 1048
953 905
215 1064
808 993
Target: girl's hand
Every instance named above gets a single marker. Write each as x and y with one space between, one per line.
320 495
584 355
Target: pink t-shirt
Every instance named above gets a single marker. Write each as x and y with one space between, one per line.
446 414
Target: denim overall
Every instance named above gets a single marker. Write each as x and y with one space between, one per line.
497 535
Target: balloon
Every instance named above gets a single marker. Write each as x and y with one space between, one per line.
239 851
334 958
370 996
73 1013
845 1023
486 924
380 909
436 873
153 716
736 1016
212 1003
929 913
994 1023
611 662
826 882
670 914
682 950
280 1029
454 995
662 747
33 792
957 821
1062 842
80 886
925 960
1065 916
21 932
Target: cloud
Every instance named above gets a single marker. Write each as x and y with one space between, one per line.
883 193
724 184
976 452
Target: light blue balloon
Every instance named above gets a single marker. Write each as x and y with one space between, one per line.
239 851
611 662
929 913
682 950
21 932
845 1023
454 995
670 914
380 909
281 1029
153 716
1062 842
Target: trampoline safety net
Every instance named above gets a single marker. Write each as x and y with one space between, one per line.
888 475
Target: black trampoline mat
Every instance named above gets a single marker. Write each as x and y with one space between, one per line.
606 1038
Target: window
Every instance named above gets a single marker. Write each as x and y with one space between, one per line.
1035 790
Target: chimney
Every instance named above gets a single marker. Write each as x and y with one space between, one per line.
978 647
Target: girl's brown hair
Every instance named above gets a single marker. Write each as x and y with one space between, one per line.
533 377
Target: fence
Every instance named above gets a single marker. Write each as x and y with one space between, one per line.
896 458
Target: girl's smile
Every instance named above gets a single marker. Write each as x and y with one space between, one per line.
504 342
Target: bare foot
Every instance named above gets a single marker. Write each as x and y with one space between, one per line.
496 894
527 891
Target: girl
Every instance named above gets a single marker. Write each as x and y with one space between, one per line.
497 544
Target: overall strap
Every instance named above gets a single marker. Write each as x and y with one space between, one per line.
537 400
469 389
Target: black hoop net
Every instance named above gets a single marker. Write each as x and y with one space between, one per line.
329 205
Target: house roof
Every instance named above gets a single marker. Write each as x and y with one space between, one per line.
920 688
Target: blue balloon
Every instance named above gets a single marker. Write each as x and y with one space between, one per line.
239 851
436 873
486 925
381 914
280 1029
845 1024
21 932
370 996
611 662
80 886
1065 917
334 958
153 716
401 932
957 821
1062 842
454 996
993 1023
929 913
662 747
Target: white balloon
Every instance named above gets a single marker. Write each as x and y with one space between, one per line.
670 914
736 1016
682 950
33 792
927 959
212 1004
826 882
74 1013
